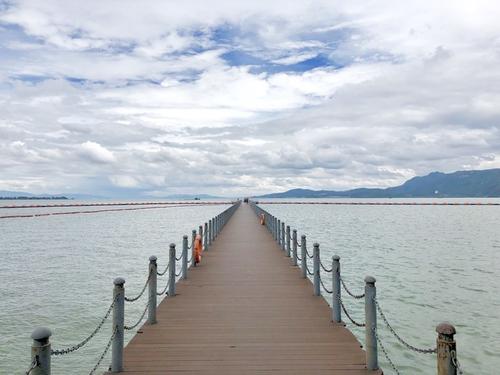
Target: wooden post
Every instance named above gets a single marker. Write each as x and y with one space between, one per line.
118 325
40 351
446 349
371 323
153 267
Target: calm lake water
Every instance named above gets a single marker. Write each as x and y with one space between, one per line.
432 264
58 271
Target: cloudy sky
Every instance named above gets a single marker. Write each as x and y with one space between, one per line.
233 97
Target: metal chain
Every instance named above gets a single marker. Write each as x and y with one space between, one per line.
308 271
190 259
386 355
34 365
455 362
108 345
178 274
324 287
349 316
355 296
182 254
129 328
164 290
82 343
411 347
297 256
309 255
328 270
141 293
164 272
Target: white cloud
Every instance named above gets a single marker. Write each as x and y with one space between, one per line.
412 87
96 153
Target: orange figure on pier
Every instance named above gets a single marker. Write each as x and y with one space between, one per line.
262 219
198 248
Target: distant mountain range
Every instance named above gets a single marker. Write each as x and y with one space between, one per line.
5 194
461 184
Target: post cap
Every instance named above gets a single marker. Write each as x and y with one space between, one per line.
41 334
119 281
153 258
370 280
336 258
172 245
315 244
193 231
446 328
303 236
185 237
295 230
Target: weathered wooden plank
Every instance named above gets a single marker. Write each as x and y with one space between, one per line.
245 310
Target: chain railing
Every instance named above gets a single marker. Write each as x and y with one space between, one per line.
355 296
446 353
74 348
41 348
129 328
133 299
106 350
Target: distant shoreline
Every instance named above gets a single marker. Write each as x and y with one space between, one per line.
33 198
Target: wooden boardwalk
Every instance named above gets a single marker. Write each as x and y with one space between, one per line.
245 310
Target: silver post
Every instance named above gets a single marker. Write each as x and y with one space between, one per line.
371 323
40 351
184 257
210 232
336 291
193 238
446 349
205 237
288 241
317 290
200 232
171 271
153 267
294 247
283 235
278 239
303 253
118 322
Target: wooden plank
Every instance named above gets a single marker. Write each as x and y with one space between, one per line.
244 310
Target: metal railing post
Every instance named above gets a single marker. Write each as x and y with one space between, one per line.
316 276
171 271
288 241
278 239
205 237
371 324
210 232
193 238
184 256
446 349
294 247
200 232
303 261
283 235
336 291
118 324
40 351
153 268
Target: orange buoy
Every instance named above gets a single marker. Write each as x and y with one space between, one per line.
262 219
198 248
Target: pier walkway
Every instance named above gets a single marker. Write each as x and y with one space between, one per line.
244 310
